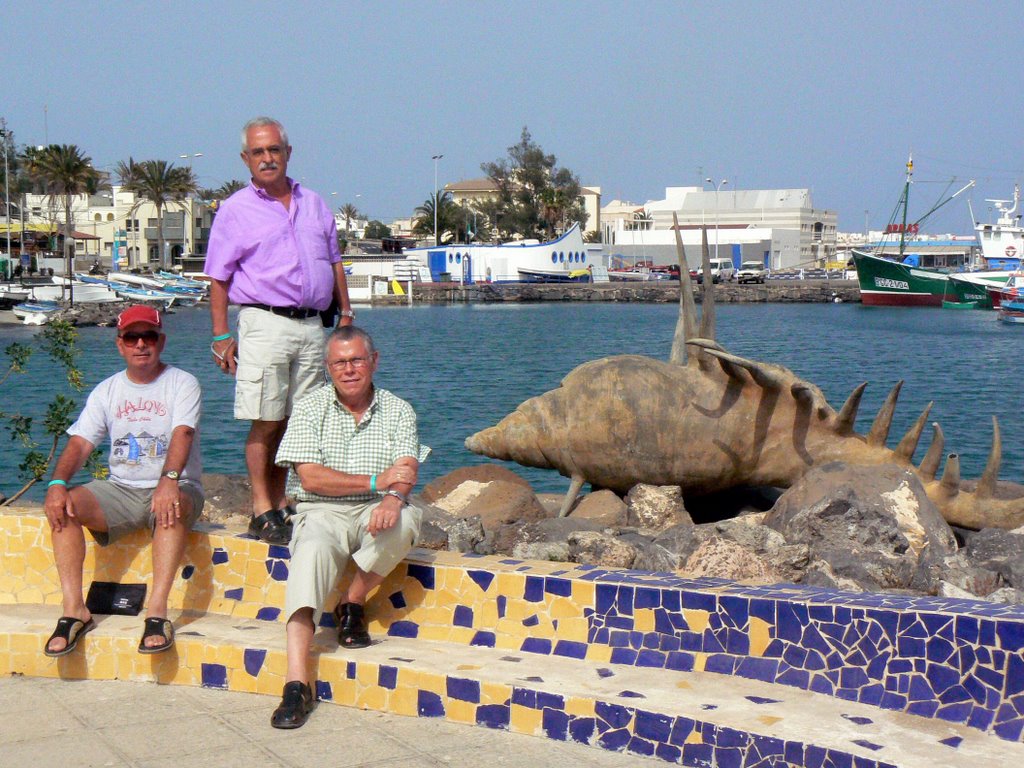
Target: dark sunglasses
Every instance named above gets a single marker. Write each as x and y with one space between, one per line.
132 337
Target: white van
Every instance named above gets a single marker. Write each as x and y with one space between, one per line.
722 270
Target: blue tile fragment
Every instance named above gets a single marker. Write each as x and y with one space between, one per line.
219 556
397 599
531 621
952 741
324 691
631 695
253 659
463 689
581 729
555 724
570 649
214 676
403 629
187 571
424 574
234 594
278 552
482 579
277 569
536 645
533 590
493 716
268 614
762 700
868 744
858 719
429 704
614 715
614 740
463 616
558 587
605 672
387 676
350 670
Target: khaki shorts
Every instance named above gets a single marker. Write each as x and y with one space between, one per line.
128 509
325 535
280 361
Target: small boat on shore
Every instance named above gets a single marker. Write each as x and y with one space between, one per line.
1011 304
35 312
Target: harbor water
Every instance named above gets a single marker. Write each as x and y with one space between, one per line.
465 367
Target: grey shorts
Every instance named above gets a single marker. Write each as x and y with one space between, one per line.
128 509
280 361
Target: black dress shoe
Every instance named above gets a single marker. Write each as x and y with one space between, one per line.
351 626
296 704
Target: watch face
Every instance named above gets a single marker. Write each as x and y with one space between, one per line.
171 474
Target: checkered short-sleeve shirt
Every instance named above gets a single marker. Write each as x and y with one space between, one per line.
321 431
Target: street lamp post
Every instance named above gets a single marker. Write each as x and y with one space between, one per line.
7 186
435 158
717 187
187 226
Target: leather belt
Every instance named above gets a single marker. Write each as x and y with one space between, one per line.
295 313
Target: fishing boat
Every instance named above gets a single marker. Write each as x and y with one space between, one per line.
901 282
35 312
552 260
976 287
1011 305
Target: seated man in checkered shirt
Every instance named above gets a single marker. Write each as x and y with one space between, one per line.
352 450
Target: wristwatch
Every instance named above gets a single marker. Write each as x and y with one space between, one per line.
171 473
348 313
397 495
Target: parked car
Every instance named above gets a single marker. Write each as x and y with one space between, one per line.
722 270
751 272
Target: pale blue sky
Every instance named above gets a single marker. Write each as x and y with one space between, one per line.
633 97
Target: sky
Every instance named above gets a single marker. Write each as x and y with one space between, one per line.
632 97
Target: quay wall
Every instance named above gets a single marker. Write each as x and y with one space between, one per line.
781 291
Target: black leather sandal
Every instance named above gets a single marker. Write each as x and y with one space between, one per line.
157 627
296 704
70 630
352 631
272 527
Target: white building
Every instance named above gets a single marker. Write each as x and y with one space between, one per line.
117 224
779 227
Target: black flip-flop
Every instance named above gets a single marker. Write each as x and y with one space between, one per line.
156 627
272 527
70 630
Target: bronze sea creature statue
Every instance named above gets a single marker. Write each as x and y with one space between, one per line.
708 420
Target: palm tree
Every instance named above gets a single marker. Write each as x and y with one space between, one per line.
449 217
63 171
160 183
351 213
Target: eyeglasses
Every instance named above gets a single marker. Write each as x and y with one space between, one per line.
133 337
355 362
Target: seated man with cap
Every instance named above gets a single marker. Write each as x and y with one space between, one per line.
150 411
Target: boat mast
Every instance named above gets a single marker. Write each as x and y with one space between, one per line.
906 197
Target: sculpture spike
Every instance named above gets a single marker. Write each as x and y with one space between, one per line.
986 487
848 415
908 444
575 485
930 462
732 370
802 393
686 325
883 421
760 373
707 314
951 475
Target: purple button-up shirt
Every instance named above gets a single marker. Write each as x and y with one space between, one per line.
270 255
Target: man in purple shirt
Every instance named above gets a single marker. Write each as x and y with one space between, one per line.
274 251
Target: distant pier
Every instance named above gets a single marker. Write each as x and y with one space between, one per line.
651 292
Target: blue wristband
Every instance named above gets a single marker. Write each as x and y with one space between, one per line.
373 483
222 337
57 482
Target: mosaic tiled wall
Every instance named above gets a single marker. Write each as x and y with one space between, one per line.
957 660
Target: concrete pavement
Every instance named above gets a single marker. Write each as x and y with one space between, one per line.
48 722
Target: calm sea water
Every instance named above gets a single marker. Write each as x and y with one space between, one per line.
465 367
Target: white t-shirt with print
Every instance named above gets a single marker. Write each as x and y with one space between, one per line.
139 418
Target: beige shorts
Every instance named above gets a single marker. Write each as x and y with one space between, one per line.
128 509
280 361
326 535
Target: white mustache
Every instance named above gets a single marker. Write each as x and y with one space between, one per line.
271 166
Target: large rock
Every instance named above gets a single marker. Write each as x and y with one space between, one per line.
873 526
726 559
603 507
998 550
480 473
497 502
655 508
228 499
596 548
443 531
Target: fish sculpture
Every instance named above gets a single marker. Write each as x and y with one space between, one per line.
708 420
